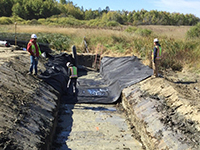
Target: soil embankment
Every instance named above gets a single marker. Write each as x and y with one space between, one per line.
164 111
28 106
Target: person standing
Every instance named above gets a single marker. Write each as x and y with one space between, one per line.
72 72
156 57
34 51
85 44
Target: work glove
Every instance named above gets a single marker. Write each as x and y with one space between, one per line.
36 58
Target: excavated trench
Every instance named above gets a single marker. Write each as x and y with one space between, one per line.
94 118
152 115
96 124
143 121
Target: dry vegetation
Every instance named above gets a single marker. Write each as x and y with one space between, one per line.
117 42
176 32
169 31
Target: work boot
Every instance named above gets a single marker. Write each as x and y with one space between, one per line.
29 73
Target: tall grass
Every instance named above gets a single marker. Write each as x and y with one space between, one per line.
177 53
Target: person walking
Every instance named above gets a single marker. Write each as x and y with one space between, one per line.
72 72
34 51
156 57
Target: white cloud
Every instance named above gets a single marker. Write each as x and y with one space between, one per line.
181 6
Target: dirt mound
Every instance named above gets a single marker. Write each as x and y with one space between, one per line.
166 110
27 104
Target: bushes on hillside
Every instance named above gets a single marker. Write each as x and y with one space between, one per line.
194 32
138 31
5 20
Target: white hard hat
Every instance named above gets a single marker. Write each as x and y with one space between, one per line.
68 64
34 36
155 40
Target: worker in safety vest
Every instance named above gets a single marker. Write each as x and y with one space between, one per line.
34 51
72 72
156 57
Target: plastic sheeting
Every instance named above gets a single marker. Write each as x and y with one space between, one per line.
115 75
92 87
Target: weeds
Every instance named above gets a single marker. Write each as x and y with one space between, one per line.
177 53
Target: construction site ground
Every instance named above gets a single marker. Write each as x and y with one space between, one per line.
157 113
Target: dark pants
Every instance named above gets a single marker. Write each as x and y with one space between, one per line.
72 81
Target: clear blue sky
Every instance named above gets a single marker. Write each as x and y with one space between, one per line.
180 6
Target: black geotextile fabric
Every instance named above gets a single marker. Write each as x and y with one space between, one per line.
116 73
56 73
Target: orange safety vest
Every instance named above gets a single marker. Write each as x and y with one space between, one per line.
159 53
73 72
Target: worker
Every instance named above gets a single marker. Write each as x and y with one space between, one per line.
72 72
85 44
34 51
156 57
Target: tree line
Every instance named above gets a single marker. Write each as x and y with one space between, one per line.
36 9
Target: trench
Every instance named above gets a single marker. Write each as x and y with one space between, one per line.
91 119
95 119
86 125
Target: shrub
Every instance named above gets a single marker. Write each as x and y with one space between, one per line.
17 19
5 20
143 32
130 29
41 21
57 41
32 22
112 24
194 32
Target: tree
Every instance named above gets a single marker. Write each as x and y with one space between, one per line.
63 1
6 8
107 8
18 10
137 20
89 14
73 11
112 16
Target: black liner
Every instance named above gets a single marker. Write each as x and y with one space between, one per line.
116 73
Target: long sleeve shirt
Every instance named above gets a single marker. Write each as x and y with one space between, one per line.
155 52
30 50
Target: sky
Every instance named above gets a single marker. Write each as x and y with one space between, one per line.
178 6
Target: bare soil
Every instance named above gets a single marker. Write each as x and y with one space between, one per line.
25 115
180 90
178 102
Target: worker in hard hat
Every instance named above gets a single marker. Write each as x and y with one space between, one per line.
34 50
156 56
72 72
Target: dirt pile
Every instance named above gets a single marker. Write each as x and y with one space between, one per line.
166 111
27 105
